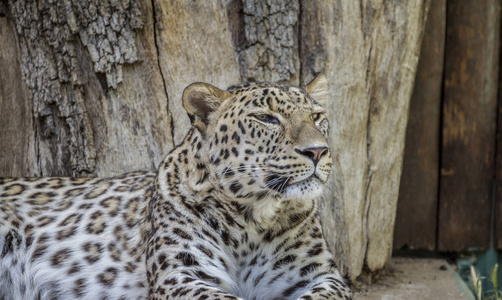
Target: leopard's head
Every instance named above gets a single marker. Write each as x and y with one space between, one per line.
263 143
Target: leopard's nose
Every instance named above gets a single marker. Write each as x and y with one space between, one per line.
314 153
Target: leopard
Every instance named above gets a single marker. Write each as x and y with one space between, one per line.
232 212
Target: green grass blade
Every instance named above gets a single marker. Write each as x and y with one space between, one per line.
495 281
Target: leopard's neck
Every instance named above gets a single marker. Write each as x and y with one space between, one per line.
183 170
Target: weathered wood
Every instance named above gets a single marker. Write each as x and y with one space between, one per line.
369 51
416 217
469 123
498 172
194 43
393 61
17 155
497 214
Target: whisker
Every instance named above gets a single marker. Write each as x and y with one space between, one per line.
243 176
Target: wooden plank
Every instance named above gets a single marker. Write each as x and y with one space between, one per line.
498 176
469 124
416 217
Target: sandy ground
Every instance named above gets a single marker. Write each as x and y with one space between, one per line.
414 278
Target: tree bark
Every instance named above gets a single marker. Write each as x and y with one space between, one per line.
94 87
95 108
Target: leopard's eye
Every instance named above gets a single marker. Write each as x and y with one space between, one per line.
315 117
267 118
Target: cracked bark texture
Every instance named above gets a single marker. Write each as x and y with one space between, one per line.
91 109
268 40
94 88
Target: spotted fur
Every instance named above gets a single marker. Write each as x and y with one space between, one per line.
230 214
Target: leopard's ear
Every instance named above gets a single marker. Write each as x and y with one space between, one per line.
200 100
318 89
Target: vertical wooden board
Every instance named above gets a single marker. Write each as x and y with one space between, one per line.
498 179
416 218
498 172
469 124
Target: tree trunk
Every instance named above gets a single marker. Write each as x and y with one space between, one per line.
369 50
93 88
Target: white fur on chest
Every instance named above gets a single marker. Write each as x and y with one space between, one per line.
252 274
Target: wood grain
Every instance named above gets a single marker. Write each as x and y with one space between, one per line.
416 218
369 52
469 124
17 151
497 214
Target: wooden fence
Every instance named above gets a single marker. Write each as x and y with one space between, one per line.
451 186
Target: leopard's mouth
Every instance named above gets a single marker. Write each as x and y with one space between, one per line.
306 188
311 178
282 183
278 182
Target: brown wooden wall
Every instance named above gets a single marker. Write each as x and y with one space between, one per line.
452 169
